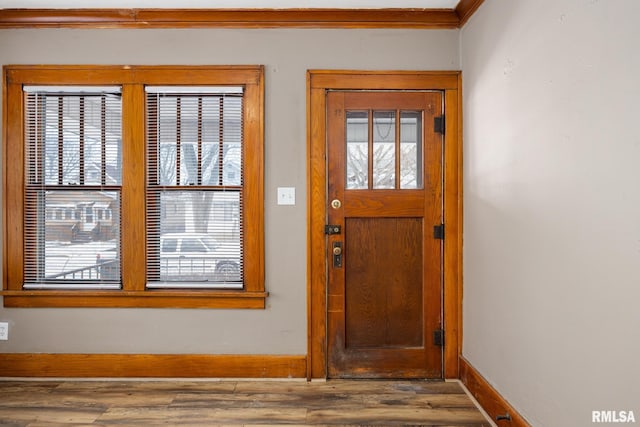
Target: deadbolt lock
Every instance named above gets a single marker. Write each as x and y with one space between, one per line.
335 204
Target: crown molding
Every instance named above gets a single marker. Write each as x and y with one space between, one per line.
240 18
465 9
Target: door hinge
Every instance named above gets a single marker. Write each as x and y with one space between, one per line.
438 232
438 124
438 337
331 229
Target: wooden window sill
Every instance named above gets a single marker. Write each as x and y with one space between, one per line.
144 299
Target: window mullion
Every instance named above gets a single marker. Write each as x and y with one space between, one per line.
133 188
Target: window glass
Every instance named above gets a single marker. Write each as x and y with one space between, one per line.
357 150
72 144
194 142
411 149
384 149
192 245
169 245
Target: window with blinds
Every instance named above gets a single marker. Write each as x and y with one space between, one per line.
194 187
133 186
72 187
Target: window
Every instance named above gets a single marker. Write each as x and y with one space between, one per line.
194 138
67 130
133 186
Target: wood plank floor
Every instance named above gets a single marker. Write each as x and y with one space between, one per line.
210 403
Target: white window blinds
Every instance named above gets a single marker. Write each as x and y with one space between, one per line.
72 187
195 187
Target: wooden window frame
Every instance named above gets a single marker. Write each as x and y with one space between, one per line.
133 228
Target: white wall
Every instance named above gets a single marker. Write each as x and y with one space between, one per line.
287 55
552 205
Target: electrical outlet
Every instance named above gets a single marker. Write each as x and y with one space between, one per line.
4 331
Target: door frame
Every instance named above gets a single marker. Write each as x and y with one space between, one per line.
318 83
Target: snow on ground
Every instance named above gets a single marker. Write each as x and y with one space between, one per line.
61 257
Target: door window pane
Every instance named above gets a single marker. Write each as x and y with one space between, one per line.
357 150
384 149
388 151
411 149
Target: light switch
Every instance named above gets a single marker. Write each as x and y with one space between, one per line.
286 195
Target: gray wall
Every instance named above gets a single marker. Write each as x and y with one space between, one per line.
286 54
552 205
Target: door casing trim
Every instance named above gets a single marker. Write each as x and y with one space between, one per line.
318 83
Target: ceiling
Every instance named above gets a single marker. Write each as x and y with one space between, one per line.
229 4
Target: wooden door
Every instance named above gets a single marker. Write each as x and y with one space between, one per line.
385 265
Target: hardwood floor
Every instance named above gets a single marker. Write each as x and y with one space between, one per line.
336 402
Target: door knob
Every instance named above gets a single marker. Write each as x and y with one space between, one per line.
337 254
